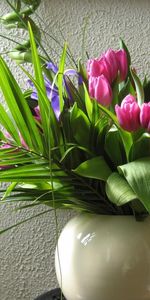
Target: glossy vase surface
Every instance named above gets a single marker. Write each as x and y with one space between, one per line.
104 258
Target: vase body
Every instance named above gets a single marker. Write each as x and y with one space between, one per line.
104 258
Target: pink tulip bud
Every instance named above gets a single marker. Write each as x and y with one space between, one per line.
109 64
122 63
128 114
111 58
145 116
99 88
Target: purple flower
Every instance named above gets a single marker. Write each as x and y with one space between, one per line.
51 66
52 94
128 114
52 90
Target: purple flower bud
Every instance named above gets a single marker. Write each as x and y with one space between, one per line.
37 115
99 88
145 116
128 114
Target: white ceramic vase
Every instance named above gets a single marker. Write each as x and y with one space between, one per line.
104 258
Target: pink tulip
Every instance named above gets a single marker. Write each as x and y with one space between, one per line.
99 88
109 64
112 60
145 116
99 67
128 114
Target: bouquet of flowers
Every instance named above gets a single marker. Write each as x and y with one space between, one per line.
78 138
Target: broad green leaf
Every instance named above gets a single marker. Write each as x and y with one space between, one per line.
146 86
139 87
118 190
140 148
115 90
137 174
72 148
96 168
97 135
126 136
114 147
60 77
96 111
127 89
80 126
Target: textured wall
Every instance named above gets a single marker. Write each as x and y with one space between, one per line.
27 253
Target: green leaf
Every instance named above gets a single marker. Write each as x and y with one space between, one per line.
53 136
82 71
126 136
118 190
139 87
42 99
146 87
60 77
9 190
137 174
114 147
72 148
123 46
96 168
5 83
8 125
115 90
31 172
80 126
140 148
24 221
19 108
127 89
88 103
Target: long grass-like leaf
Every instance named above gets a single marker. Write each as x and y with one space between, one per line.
54 135
24 221
60 77
21 114
43 101
8 125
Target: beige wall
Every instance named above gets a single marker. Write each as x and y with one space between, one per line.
27 253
